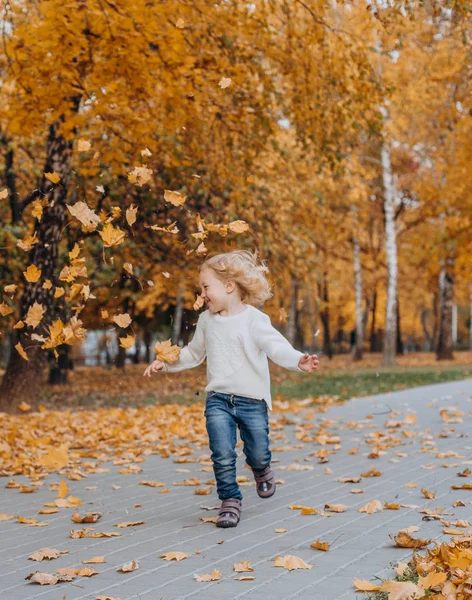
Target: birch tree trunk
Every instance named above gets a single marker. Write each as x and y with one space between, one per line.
390 338
358 287
23 379
446 298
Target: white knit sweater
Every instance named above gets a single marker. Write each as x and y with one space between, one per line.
236 348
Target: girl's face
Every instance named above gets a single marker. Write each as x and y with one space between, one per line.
215 293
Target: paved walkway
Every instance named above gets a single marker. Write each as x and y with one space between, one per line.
360 544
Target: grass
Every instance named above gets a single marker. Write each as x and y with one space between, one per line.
410 574
368 382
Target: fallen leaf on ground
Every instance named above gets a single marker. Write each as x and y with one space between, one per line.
213 576
243 567
291 562
174 556
47 554
129 566
317 545
405 540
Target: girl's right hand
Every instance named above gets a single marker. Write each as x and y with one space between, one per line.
154 367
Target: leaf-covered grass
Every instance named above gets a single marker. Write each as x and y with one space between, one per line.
369 382
410 574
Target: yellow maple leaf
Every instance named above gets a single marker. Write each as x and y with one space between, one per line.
5 309
34 315
177 556
56 458
175 198
111 236
291 562
53 177
362 585
85 215
167 353
37 209
127 342
27 242
215 575
122 320
401 590
21 352
24 406
32 274
238 226
131 213
140 175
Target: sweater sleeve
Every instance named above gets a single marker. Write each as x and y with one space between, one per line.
274 344
194 353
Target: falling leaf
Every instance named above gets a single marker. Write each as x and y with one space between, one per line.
238 226
140 176
129 566
52 177
32 274
4 194
175 198
83 145
131 213
372 507
427 494
122 320
280 530
177 556
5 309
27 243
24 406
47 554
37 209
63 489
20 350
100 189
291 562
34 315
213 576
166 352
127 342
111 236
224 82
180 23
324 546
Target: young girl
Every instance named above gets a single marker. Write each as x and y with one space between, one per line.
236 338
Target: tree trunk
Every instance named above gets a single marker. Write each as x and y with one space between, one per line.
390 336
324 314
446 296
147 344
23 379
177 323
373 335
359 344
427 335
470 319
400 347
291 330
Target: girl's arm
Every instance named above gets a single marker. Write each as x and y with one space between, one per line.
193 354
275 345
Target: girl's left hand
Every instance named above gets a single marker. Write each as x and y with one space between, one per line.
309 363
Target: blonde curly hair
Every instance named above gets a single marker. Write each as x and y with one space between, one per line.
242 267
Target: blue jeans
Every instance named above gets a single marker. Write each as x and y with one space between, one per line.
223 412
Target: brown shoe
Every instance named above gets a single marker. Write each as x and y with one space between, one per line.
229 513
265 482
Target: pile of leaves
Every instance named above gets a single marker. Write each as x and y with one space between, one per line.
443 573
